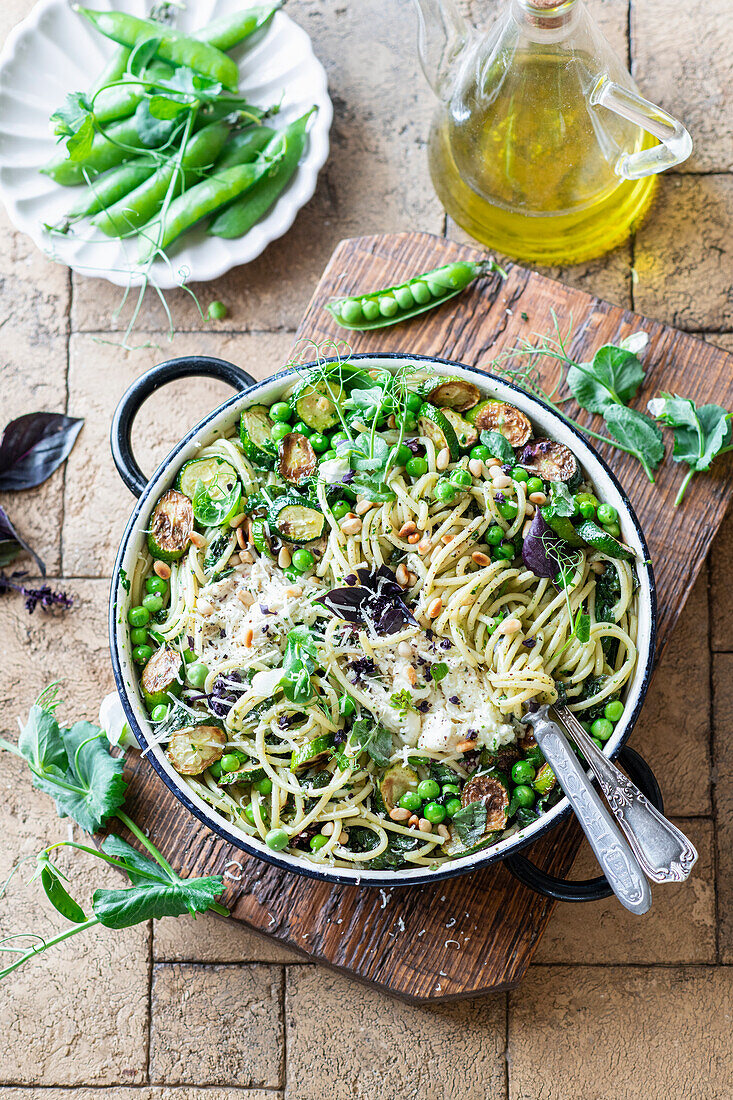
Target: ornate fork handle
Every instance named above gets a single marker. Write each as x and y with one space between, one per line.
663 851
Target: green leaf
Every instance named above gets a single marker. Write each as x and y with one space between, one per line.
498 446
612 378
72 114
372 737
439 672
93 787
163 107
637 432
368 455
298 664
214 511
699 433
59 896
372 488
154 894
470 823
561 501
41 743
402 701
154 131
581 628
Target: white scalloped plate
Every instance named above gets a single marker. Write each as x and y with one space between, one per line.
55 51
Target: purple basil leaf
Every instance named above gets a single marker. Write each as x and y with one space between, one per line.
345 603
540 548
33 446
11 544
378 597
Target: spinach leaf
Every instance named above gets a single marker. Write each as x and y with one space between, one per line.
33 446
470 823
498 446
612 378
700 433
638 434
372 737
394 854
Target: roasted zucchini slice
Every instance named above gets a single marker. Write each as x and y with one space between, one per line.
296 520
495 416
545 780
162 677
248 773
218 476
395 782
595 536
562 526
171 525
194 749
432 424
255 428
296 459
451 393
315 405
315 752
466 434
550 460
493 795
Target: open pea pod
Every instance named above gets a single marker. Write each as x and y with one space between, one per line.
393 304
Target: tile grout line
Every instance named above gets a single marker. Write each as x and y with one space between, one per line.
713 761
506 1044
283 1009
150 967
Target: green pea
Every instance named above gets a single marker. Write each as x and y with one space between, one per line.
428 789
417 466
159 713
518 474
452 807
141 654
598 743
508 509
602 729
157 585
494 535
138 616
613 529
347 706
434 812
351 310
264 786
587 509
403 454
413 402
483 454
387 305
217 311
505 552
280 412
450 788
215 769
370 309
196 674
340 509
277 839
444 491
607 514
523 772
409 423
535 485
338 439
303 560
152 602
249 814
328 455
524 796
461 478
279 431
436 290
139 636
317 842
410 801
420 292
613 711
319 443
404 297
230 762
303 429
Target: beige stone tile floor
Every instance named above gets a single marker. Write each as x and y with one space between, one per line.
614 1007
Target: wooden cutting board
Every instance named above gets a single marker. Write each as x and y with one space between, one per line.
478 932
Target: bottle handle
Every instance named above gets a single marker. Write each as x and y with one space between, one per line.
675 142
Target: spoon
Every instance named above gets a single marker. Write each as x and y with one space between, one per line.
618 862
663 851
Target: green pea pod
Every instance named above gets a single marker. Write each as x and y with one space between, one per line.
179 49
380 308
59 896
230 30
114 185
202 200
115 69
105 153
239 218
244 147
141 205
121 99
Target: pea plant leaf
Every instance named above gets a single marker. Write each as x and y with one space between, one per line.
638 434
613 378
369 455
41 743
57 893
373 738
498 446
74 122
561 501
154 131
700 433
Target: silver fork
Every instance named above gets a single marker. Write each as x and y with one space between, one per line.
665 853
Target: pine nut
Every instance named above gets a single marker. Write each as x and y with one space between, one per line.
363 507
500 481
392 421
413 822
538 498
241 540
249 636
343 839
411 579
162 569
412 539
493 461
401 575
284 559
235 521
234 560
443 459
246 599
424 825
327 829
475 467
398 814
465 746
598 567
481 559
412 676
446 539
294 591
509 626
406 529
527 528
529 509
246 558
351 526
443 831
424 546
204 607
404 649
434 607
198 540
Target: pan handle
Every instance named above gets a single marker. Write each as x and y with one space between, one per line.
592 889
185 367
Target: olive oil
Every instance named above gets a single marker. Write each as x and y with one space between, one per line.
524 162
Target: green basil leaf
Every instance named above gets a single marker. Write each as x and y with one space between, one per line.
498 446
561 501
439 672
59 896
470 823
613 378
373 738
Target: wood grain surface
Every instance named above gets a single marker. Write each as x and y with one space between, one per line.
477 932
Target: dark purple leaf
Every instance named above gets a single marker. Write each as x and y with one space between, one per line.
33 446
541 548
415 446
11 544
377 598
